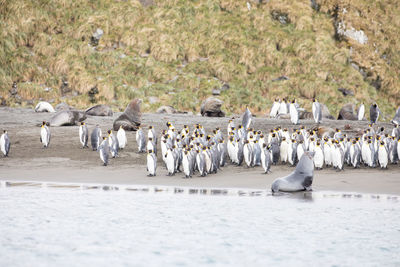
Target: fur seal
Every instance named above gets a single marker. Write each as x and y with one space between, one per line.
347 112
99 110
67 118
299 180
131 119
44 107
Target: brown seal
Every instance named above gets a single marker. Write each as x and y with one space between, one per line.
347 112
131 119
99 110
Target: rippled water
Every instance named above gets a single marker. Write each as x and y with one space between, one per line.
72 227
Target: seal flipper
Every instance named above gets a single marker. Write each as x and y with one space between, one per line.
307 182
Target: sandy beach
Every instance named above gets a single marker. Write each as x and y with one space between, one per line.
66 161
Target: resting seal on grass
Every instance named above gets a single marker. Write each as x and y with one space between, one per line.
131 119
67 118
299 180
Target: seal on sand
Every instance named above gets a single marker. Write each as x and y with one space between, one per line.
44 107
67 118
131 119
299 180
99 110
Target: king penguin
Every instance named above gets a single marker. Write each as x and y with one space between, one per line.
374 113
266 158
83 134
275 108
95 138
186 164
5 143
45 135
318 156
294 113
113 143
382 155
317 111
141 140
151 163
361 112
246 120
104 151
121 136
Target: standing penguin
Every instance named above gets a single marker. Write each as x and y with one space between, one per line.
141 140
95 138
248 154
355 154
275 108
266 158
83 134
246 120
284 149
104 151
170 160
374 113
275 152
121 136
45 135
113 143
283 107
294 113
383 155
319 156
317 111
5 143
151 163
186 164
361 112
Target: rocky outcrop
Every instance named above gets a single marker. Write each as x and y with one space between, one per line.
211 107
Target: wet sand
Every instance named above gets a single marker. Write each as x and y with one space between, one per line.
66 161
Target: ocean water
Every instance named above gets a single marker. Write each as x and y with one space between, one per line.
74 227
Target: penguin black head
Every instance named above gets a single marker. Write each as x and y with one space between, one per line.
150 151
150 127
109 131
293 101
82 123
261 135
382 143
382 129
217 128
354 142
264 145
375 105
313 100
302 127
43 123
104 138
150 138
168 124
4 131
273 135
284 138
318 143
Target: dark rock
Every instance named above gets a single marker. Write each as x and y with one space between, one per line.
216 92
99 110
345 91
92 94
281 78
211 107
63 106
14 89
131 118
282 17
315 5
64 89
348 112
225 87
94 40
377 83
146 3
67 118
166 110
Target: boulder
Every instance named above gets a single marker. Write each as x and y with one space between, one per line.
348 112
67 118
131 119
63 106
99 110
166 110
211 107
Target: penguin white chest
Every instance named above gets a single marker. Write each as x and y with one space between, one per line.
318 157
3 144
185 165
150 164
43 135
382 157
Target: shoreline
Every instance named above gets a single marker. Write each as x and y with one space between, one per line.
66 161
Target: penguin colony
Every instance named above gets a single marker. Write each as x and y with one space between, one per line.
191 151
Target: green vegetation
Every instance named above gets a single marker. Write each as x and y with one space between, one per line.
179 51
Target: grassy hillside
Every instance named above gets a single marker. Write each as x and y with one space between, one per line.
179 51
